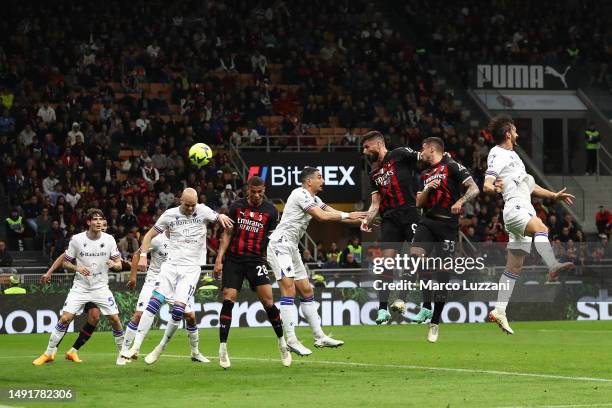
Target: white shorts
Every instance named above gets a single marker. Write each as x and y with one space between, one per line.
103 298
516 217
285 260
177 282
147 291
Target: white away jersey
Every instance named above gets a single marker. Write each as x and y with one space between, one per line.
507 165
159 253
187 243
295 219
93 254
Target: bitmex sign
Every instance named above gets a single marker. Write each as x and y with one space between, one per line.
341 173
536 77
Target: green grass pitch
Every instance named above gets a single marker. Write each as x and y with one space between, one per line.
553 364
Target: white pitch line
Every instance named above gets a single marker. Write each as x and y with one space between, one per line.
396 366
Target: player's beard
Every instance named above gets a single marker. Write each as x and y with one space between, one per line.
373 157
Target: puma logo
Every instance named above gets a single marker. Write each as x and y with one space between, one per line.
551 71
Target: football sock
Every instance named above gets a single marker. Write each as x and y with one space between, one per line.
225 320
275 320
118 335
56 336
177 316
289 316
146 320
84 335
503 295
544 248
194 337
309 309
129 335
437 312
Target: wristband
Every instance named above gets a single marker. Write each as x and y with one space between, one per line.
344 215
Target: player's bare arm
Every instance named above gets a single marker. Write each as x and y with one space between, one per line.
133 270
226 238
471 193
560 195
59 261
69 266
144 248
422 196
349 221
366 223
323 216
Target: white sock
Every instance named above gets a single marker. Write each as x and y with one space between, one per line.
73 350
56 336
118 334
544 248
194 338
289 316
311 314
146 320
503 295
129 335
170 329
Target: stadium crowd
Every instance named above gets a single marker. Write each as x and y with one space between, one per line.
100 113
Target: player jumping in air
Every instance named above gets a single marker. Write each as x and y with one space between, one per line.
90 254
244 250
180 273
159 252
284 257
442 201
506 174
393 196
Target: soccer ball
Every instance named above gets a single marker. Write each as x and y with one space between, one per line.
398 306
200 154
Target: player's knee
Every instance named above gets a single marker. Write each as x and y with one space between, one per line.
66 318
178 310
136 317
190 318
230 294
93 316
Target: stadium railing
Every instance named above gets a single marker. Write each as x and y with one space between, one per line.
299 143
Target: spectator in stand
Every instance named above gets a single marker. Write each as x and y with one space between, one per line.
128 244
349 261
128 219
75 135
603 219
15 230
46 113
592 139
307 256
149 173
227 196
333 252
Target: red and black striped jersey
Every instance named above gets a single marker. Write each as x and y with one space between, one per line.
252 227
452 175
394 180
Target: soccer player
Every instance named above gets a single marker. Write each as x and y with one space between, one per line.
393 196
158 251
244 250
506 174
91 310
180 273
90 254
442 202
284 257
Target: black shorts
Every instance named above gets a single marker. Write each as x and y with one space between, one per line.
88 306
435 235
235 272
400 225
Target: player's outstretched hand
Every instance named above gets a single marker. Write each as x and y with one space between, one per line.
46 278
225 221
82 270
218 270
499 185
567 198
142 264
358 215
365 227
